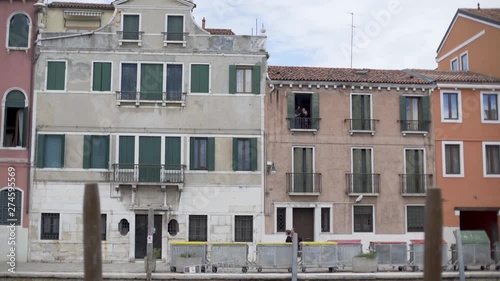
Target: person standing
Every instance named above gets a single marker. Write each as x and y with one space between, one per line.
288 236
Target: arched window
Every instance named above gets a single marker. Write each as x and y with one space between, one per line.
15 125
19 30
10 213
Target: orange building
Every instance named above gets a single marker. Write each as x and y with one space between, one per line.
466 127
471 42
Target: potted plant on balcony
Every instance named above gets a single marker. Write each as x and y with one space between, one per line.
366 262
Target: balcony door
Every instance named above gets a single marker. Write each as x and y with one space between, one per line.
362 170
149 159
415 171
303 169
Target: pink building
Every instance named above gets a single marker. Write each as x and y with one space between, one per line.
17 38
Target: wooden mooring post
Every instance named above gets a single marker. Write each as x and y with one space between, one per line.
92 234
433 231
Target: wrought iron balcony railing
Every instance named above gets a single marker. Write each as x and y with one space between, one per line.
304 183
415 184
414 125
303 123
174 38
168 97
362 125
130 36
141 173
363 184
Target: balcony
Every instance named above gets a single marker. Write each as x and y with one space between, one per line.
361 125
150 97
303 124
174 38
148 174
304 183
366 184
414 126
415 184
130 37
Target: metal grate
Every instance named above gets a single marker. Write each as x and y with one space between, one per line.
243 228
173 227
123 227
198 228
50 226
103 226
280 219
325 219
415 218
10 207
363 219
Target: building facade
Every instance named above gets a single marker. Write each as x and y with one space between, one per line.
162 114
471 42
17 37
366 132
77 17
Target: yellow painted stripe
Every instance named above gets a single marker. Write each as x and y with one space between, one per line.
272 243
228 243
319 243
188 243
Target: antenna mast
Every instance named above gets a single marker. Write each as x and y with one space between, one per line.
352 32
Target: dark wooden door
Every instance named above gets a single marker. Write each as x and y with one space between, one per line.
303 223
141 234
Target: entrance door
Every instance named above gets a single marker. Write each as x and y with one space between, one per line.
149 159
141 234
303 223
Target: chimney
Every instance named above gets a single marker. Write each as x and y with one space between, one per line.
478 6
203 21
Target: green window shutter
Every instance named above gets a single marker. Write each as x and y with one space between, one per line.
56 71
195 79
173 151
425 113
204 78
151 81
97 77
61 75
63 137
106 155
200 74
51 75
402 112
191 154
256 79
175 28
15 99
211 154
87 151
101 76
235 154
126 153
232 79
315 110
291 110
131 27
253 154
41 151
24 141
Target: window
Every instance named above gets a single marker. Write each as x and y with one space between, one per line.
415 218
50 226
50 151
244 79
19 31
451 107
103 226
123 227
200 78
244 154
202 154
464 61
303 111
414 113
15 120
174 82
454 64
325 219
303 170
175 28
243 229
173 227
101 76
453 159
131 25
363 218
361 112
15 199
128 87
151 81
491 156
362 172
489 107
56 75
280 219
415 179
198 228
95 152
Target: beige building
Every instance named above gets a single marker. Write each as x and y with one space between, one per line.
76 17
366 132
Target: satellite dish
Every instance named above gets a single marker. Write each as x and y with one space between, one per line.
358 199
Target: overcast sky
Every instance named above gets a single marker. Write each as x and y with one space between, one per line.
388 34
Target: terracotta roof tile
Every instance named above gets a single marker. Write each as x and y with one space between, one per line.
456 76
492 15
321 74
74 5
219 31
